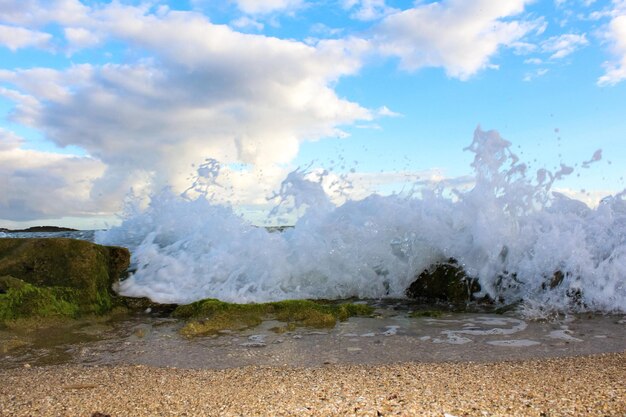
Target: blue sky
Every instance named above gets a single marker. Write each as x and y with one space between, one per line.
100 97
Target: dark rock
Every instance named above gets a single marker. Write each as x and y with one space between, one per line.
444 281
75 276
555 280
144 304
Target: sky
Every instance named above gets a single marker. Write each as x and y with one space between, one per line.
100 99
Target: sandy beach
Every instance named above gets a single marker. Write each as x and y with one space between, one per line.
575 386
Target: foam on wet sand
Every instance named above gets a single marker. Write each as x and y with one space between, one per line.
587 385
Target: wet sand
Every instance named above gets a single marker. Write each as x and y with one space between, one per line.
574 386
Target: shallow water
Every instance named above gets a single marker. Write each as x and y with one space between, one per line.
392 336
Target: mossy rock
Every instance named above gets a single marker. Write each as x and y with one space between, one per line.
211 316
20 299
446 281
58 276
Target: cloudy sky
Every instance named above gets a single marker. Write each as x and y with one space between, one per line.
101 97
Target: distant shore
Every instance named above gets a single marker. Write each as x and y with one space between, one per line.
39 229
580 386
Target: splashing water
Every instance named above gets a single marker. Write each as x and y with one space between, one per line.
509 231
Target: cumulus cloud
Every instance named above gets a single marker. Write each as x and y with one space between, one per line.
204 91
9 140
41 12
29 17
80 38
16 38
43 185
457 35
616 36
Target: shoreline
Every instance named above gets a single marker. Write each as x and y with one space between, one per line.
578 385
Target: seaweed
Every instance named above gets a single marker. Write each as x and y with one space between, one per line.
211 316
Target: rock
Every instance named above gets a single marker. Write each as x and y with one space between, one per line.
146 305
20 299
444 281
210 316
57 277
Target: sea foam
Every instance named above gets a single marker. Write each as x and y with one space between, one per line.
509 230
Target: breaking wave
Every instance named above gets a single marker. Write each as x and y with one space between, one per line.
510 231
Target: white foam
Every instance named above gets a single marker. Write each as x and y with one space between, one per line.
391 330
509 230
514 343
563 334
452 338
478 326
255 340
481 326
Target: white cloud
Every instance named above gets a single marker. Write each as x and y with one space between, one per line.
523 48
43 185
40 12
245 22
16 38
458 35
80 38
529 76
258 7
45 84
616 35
27 16
367 10
322 29
204 90
9 140
358 185
384 111
591 198
563 45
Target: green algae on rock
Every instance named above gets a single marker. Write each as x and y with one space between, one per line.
426 313
211 316
21 299
57 277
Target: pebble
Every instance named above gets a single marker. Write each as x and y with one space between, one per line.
575 386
